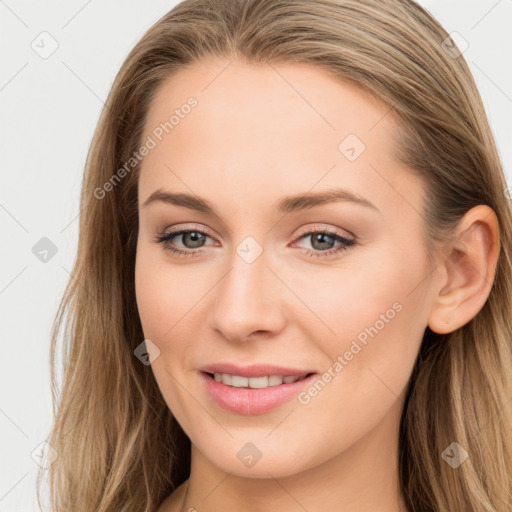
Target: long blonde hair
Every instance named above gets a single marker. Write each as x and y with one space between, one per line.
119 447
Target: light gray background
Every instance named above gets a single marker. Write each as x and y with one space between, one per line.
49 109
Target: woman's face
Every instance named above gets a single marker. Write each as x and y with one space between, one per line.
335 287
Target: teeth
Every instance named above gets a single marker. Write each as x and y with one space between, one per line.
238 381
275 380
290 378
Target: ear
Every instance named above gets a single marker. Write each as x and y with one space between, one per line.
468 271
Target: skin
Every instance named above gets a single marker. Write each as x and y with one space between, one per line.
281 125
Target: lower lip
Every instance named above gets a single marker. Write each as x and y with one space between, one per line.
251 401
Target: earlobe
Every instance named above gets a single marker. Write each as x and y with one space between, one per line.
468 271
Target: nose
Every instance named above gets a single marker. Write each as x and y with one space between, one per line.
247 301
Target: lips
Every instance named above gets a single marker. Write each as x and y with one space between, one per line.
247 400
255 370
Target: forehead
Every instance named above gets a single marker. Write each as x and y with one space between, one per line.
292 126
299 96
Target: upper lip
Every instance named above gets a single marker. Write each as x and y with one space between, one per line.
254 370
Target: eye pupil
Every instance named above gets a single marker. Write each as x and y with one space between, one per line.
320 237
194 237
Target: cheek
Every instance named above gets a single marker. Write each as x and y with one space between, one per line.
149 294
158 288
169 302
369 359
376 315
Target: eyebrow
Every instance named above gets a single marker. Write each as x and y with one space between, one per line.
287 204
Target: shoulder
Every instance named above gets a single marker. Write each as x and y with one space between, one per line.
173 502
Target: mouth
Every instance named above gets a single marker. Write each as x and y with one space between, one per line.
239 381
253 395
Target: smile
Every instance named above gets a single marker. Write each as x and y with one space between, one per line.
238 381
253 395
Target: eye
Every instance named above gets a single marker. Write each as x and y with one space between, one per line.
323 242
191 239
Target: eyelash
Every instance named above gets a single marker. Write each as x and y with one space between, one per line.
165 238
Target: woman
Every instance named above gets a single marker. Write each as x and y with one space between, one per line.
293 282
